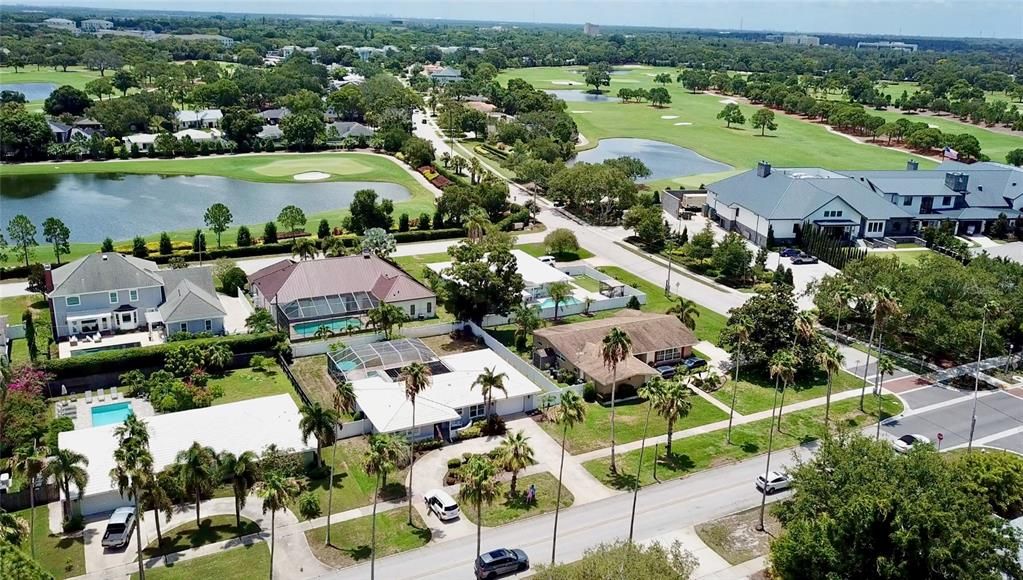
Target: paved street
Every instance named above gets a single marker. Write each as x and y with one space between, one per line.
949 412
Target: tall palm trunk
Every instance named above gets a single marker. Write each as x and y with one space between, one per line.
479 527
237 510
557 504
412 459
373 534
197 500
330 490
870 344
767 468
614 385
639 469
32 515
273 540
877 382
781 407
138 535
66 504
827 402
159 534
731 409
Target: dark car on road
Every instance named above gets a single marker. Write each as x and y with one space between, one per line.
694 362
804 259
500 562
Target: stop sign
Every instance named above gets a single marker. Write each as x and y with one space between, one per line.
940 436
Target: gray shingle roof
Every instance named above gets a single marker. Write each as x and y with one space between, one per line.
187 301
104 272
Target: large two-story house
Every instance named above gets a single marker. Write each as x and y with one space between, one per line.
109 292
866 204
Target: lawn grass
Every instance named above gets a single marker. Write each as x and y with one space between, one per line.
243 384
908 257
630 417
415 266
352 539
735 537
537 249
796 143
708 323
586 283
14 308
353 487
242 562
210 531
756 393
509 508
60 556
311 373
692 454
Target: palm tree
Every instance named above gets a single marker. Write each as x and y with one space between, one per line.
303 249
478 487
515 455
320 422
783 368
990 308
890 307
343 401
198 473
614 348
154 497
843 294
882 303
686 311
334 246
323 332
489 381
671 400
475 169
740 331
416 377
527 320
458 164
804 329
133 467
385 317
477 224
445 158
242 470
28 462
885 366
68 467
829 359
779 365
13 529
277 490
572 410
559 292
383 455
649 391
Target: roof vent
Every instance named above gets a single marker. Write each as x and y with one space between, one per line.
912 165
104 257
763 169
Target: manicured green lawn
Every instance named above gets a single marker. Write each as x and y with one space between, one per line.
353 487
416 265
243 384
537 249
757 393
508 508
210 531
708 450
708 324
908 257
352 540
14 307
62 557
595 430
587 283
238 563
796 143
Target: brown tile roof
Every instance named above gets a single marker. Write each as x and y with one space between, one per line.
289 281
591 363
648 331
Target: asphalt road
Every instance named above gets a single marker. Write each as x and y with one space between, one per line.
997 413
661 509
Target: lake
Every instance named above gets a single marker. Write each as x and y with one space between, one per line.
663 159
32 91
581 97
121 206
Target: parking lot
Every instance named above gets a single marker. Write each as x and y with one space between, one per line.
999 418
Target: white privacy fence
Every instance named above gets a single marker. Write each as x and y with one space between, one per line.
532 373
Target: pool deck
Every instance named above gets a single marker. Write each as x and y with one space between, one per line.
82 413
144 338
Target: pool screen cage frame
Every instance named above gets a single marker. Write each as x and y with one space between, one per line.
327 307
378 355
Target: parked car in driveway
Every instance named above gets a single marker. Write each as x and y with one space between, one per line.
789 252
443 505
667 371
694 362
500 562
906 442
119 528
549 260
774 482
802 258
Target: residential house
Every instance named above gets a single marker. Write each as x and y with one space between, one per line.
347 129
270 133
143 141
274 116
336 292
61 24
87 123
110 292
198 136
537 276
657 340
446 76
61 132
204 119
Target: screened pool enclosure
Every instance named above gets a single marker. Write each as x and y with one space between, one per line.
338 312
358 361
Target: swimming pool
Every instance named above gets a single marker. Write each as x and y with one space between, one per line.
549 302
94 350
310 328
110 414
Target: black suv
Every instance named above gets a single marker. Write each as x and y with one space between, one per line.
499 562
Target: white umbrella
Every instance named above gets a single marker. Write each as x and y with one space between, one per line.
63 390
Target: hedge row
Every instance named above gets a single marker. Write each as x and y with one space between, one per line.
147 357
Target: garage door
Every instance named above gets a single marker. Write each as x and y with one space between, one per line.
508 406
102 502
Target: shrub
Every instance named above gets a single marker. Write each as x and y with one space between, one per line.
270 233
244 238
74 524
233 280
633 303
139 248
261 363
454 463
495 426
424 221
166 247
57 426
427 235
403 222
323 229
590 393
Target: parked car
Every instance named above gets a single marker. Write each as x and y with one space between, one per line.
694 362
906 442
775 481
119 528
499 562
667 371
440 503
423 121
803 258
789 252
549 260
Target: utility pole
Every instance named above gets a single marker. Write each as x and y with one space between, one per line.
976 381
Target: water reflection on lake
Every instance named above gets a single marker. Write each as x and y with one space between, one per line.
663 159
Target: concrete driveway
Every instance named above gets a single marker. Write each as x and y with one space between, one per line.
802 275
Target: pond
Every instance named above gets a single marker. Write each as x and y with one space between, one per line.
32 91
121 206
581 97
663 159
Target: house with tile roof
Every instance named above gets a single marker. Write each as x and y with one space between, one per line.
854 205
109 293
336 292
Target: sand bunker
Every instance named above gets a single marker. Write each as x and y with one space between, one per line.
566 83
683 124
728 102
311 176
669 116
579 112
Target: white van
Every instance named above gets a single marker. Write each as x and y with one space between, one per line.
440 503
549 260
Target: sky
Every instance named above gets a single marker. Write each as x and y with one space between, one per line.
944 18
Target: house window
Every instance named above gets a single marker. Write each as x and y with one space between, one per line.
208 325
837 213
429 307
907 201
183 327
667 354
113 297
477 411
133 295
947 200
411 309
73 300
874 227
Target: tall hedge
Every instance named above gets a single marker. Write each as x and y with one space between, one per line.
18 564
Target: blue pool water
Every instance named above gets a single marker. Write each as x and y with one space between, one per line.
549 302
110 414
310 328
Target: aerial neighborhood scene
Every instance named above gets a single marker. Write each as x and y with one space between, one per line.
565 290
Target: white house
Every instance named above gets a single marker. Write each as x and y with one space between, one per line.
536 275
204 119
61 24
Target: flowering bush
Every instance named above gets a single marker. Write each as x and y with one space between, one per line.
28 379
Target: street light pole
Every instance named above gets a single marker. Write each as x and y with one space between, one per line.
767 468
976 382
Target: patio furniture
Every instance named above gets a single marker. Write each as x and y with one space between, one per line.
73 340
87 338
114 395
88 397
102 394
97 338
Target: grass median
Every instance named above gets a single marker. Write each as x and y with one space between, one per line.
510 507
209 531
692 454
243 562
351 540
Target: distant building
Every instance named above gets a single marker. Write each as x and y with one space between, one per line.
61 24
446 75
591 29
92 25
887 45
204 119
801 40
223 40
147 35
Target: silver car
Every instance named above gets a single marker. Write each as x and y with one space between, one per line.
906 442
119 528
774 482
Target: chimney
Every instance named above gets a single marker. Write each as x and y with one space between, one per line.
47 278
912 165
763 169
956 181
